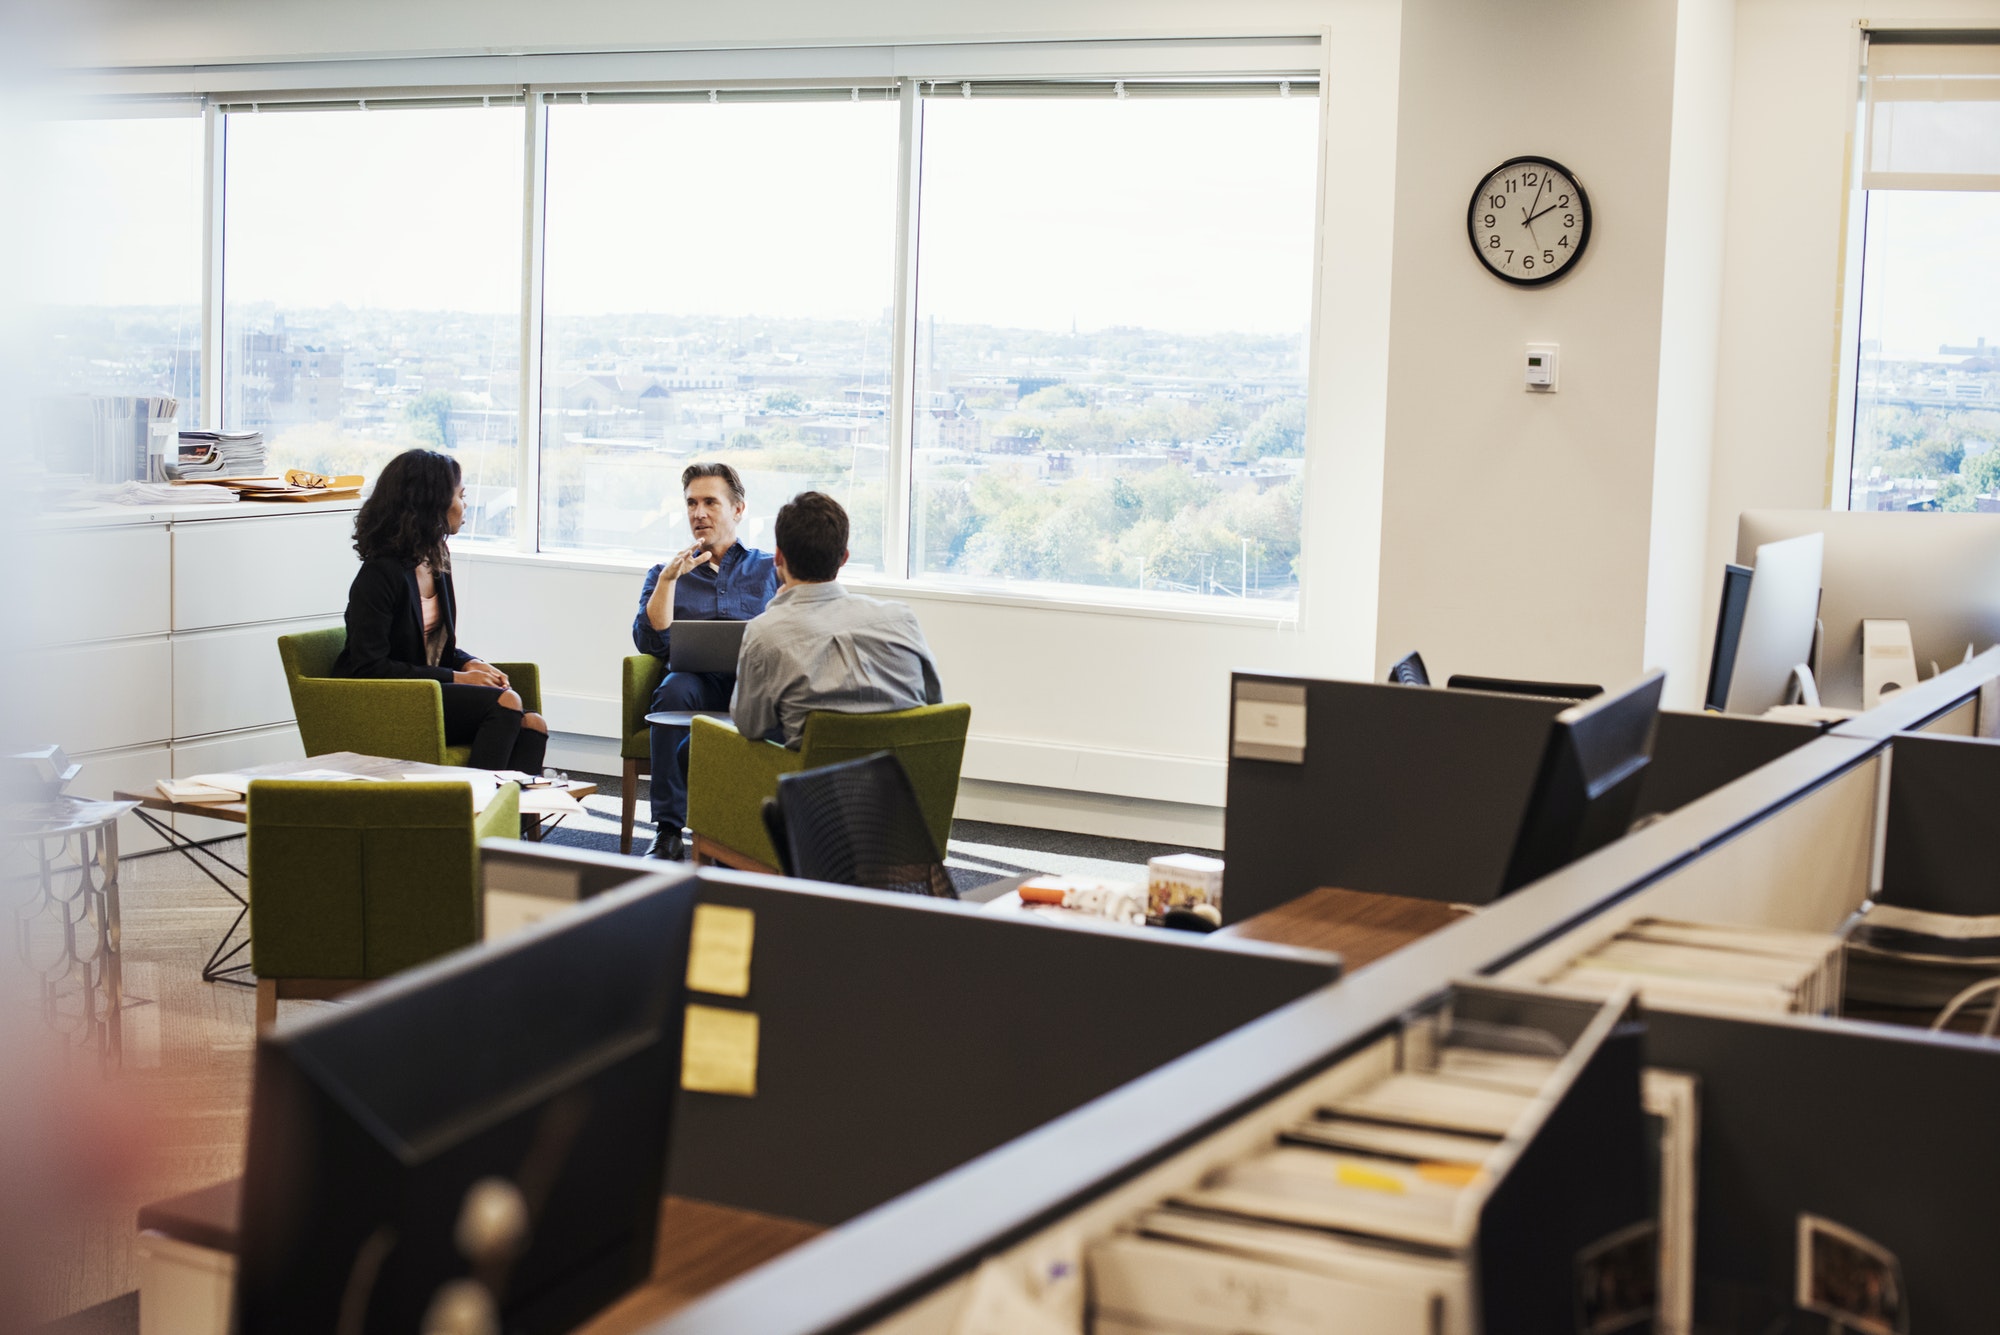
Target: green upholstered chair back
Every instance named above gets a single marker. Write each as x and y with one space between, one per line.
362 880
310 653
929 740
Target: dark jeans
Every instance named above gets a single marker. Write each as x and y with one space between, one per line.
474 714
680 691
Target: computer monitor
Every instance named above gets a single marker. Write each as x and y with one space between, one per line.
1587 788
543 1066
1541 690
1779 620
1409 671
1728 629
1939 572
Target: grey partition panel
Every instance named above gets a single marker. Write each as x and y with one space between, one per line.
1695 754
1943 793
901 1037
1402 791
1888 1132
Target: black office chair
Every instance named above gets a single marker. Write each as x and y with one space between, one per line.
856 823
1547 690
1409 671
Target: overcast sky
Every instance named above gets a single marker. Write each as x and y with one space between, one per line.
1173 215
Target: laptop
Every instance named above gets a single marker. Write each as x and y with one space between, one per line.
704 646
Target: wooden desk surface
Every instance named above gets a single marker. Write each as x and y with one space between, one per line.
702 1247
1361 926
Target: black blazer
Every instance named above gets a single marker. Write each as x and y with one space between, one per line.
385 625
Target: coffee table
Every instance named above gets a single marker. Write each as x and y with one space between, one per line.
153 805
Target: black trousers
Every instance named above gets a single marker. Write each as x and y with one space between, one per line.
474 714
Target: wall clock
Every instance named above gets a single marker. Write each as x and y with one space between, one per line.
1529 220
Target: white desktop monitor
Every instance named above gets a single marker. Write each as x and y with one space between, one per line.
1778 623
1939 572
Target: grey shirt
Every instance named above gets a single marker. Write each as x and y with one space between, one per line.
819 647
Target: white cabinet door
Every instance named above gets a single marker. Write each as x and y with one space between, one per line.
100 584
226 755
229 679
133 771
99 697
230 572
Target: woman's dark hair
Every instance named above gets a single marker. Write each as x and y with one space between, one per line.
811 530
404 517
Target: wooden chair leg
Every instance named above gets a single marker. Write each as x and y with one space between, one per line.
267 1004
629 805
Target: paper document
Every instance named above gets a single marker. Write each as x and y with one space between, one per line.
549 802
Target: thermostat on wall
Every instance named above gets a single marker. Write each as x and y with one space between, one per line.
1542 367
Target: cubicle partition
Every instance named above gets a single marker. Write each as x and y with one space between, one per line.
897 1037
1880 1132
1410 791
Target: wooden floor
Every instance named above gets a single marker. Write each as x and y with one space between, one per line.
186 1075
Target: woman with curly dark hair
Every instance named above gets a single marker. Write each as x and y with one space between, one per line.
401 612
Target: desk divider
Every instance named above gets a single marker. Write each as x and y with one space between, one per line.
1881 1130
900 1036
1409 791
1939 852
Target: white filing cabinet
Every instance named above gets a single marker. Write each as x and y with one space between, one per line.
156 632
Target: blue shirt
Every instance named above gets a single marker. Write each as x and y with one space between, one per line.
738 591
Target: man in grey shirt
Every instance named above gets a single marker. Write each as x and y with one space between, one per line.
819 647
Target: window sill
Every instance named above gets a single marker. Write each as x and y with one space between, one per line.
1066 598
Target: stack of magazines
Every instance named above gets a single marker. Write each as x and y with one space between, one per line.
1359 1219
212 454
1713 966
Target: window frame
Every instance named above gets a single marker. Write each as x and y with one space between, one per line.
536 80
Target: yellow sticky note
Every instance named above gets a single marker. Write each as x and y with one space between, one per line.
719 952
1353 1175
1448 1174
719 1051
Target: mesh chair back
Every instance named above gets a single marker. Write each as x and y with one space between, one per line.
859 824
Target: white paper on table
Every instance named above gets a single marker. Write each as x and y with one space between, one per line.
549 802
483 785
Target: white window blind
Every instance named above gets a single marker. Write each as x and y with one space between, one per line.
1933 114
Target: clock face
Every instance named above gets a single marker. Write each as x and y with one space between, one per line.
1529 221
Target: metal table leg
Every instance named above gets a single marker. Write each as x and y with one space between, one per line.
218 969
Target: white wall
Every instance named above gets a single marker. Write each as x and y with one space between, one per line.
1515 525
1690 338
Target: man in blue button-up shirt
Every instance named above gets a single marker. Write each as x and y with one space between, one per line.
717 579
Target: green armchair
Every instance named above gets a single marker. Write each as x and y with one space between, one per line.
401 719
729 775
352 881
643 674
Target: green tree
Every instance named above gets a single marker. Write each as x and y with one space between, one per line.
430 416
1280 432
783 401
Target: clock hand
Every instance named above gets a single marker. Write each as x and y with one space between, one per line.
1525 218
1550 209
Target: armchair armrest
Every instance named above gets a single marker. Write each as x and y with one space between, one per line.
526 679
502 817
729 776
641 675
400 719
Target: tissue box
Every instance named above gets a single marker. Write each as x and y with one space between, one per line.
1182 881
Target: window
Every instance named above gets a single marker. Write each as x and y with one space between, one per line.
372 289
1042 335
719 279
1114 299
116 286
1926 427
